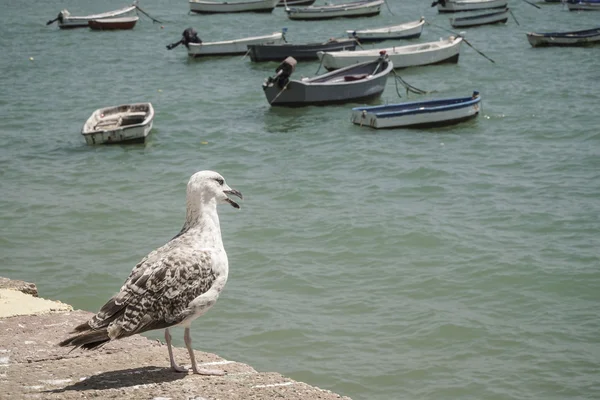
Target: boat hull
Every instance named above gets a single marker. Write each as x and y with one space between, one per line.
500 17
587 37
583 5
450 6
294 3
424 114
209 7
439 52
127 123
122 23
337 87
409 30
349 10
303 52
231 47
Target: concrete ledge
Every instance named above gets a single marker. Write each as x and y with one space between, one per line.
33 366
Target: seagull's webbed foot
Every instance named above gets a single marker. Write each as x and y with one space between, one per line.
213 372
188 343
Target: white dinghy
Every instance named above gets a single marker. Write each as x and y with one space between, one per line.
126 123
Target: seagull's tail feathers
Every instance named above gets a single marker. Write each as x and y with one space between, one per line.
89 340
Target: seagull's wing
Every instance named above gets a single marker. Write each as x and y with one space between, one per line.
157 293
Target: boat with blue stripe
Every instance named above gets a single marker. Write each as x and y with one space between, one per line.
420 114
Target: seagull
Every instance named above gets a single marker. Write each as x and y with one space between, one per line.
174 284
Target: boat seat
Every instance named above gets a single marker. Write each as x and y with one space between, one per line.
350 78
133 118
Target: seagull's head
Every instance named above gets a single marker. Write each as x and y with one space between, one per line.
207 185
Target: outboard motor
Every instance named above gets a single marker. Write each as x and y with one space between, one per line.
283 72
188 36
60 17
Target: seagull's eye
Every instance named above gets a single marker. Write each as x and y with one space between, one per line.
220 181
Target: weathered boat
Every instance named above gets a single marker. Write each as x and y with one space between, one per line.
67 21
420 114
468 5
126 123
583 5
587 37
303 52
106 24
197 48
294 3
437 52
214 7
497 17
363 8
407 30
360 82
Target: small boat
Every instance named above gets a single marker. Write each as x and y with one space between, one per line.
126 123
120 23
360 82
585 37
214 7
420 114
67 21
197 48
437 52
497 17
583 5
363 8
408 30
468 5
294 3
306 51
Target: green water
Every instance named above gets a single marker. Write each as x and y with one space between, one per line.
454 263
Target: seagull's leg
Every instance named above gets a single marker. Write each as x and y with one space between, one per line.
173 363
188 343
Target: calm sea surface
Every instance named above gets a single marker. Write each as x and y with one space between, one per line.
453 263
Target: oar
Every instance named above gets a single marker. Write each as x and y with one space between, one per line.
146 14
513 15
531 4
464 40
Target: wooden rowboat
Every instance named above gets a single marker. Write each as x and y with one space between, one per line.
363 8
497 17
68 21
414 55
213 7
585 37
468 5
420 114
126 123
121 23
407 30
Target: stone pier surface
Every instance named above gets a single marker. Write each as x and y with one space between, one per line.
32 366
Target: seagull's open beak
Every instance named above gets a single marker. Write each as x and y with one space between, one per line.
234 193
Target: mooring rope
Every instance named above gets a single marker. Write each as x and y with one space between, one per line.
408 86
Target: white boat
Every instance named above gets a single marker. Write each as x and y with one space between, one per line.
67 21
231 47
419 114
468 5
497 17
126 123
362 8
214 7
583 5
408 30
437 52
